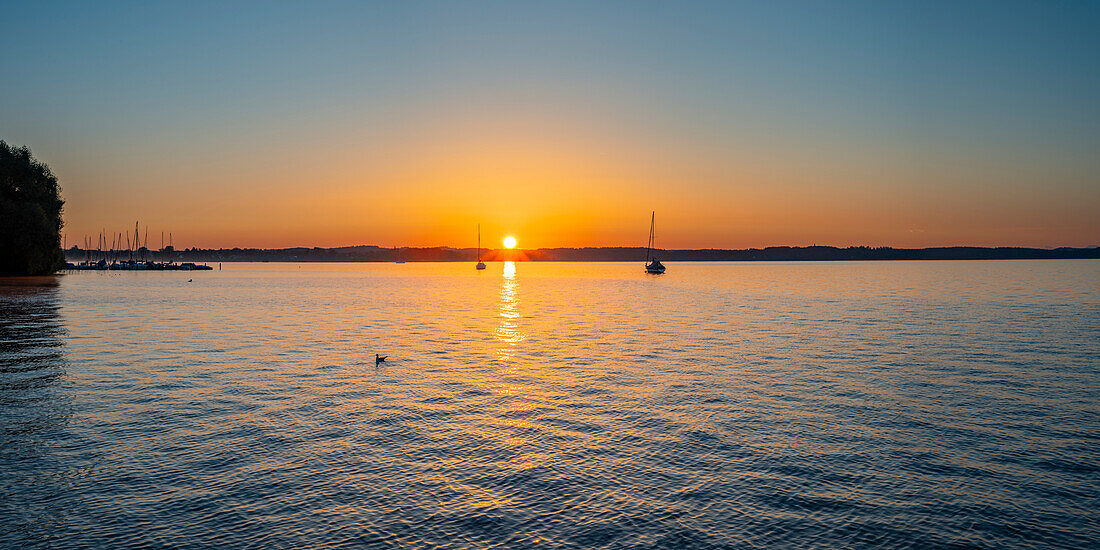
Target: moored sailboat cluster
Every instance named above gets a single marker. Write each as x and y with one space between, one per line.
135 257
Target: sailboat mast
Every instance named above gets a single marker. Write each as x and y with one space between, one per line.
649 247
479 243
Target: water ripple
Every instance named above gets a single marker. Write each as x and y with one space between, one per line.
884 405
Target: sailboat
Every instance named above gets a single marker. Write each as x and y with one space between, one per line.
652 265
480 264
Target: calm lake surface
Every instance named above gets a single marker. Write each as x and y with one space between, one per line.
554 405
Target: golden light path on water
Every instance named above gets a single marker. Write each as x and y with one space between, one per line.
509 333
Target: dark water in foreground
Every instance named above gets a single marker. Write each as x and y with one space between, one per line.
743 405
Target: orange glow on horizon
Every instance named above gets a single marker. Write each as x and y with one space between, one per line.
565 182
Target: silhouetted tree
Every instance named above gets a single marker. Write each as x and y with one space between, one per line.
30 214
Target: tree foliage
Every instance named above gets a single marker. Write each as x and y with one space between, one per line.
30 214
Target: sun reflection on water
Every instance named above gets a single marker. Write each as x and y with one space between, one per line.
508 332
511 415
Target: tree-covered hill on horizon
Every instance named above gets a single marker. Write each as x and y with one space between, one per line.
368 253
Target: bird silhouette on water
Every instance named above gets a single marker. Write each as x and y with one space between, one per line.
380 358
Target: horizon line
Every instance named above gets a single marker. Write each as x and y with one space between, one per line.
518 249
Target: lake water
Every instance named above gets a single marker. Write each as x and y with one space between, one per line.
554 405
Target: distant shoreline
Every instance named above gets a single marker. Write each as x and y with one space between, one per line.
606 254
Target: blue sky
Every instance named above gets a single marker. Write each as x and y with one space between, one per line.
744 124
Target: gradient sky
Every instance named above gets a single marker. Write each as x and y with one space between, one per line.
406 123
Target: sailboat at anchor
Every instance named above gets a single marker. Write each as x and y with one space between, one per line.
480 264
652 264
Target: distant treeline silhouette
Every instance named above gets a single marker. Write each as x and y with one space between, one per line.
820 253
614 254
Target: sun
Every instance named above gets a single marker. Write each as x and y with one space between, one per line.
509 242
